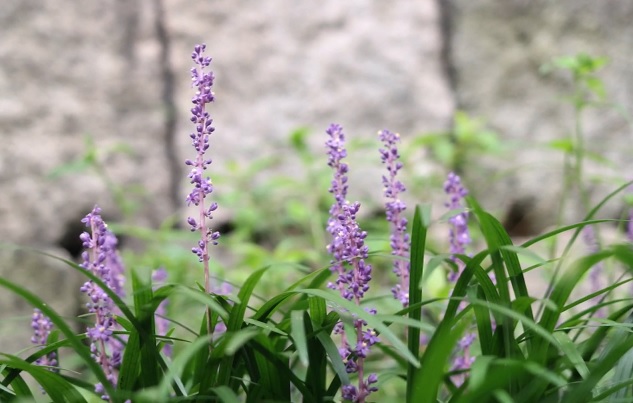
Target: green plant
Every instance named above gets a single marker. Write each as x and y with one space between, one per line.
92 161
281 342
468 140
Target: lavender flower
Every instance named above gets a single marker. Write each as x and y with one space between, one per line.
115 265
394 207
116 284
162 324
459 235
336 152
348 250
463 360
202 186
42 326
102 259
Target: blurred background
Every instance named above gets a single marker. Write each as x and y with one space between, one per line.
95 99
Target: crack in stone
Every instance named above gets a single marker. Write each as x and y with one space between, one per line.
446 8
169 105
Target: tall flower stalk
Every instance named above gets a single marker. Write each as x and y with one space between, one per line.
394 208
102 259
202 186
459 237
42 326
349 253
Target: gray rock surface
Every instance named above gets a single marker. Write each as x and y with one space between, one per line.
497 50
70 70
118 71
49 279
280 66
66 74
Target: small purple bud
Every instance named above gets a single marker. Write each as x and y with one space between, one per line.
192 223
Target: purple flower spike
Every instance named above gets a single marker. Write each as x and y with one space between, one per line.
42 327
459 235
202 185
348 250
463 360
394 207
102 259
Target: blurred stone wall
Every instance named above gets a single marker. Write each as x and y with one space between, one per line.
118 71
497 50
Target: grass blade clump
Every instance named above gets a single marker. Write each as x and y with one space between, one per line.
459 321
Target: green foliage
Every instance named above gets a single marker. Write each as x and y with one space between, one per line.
91 162
468 139
280 344
283 349
583 68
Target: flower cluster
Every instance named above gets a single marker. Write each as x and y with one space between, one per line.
42 326
348 250
394 207
348 246
463 359
459 235
202 186
102 259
